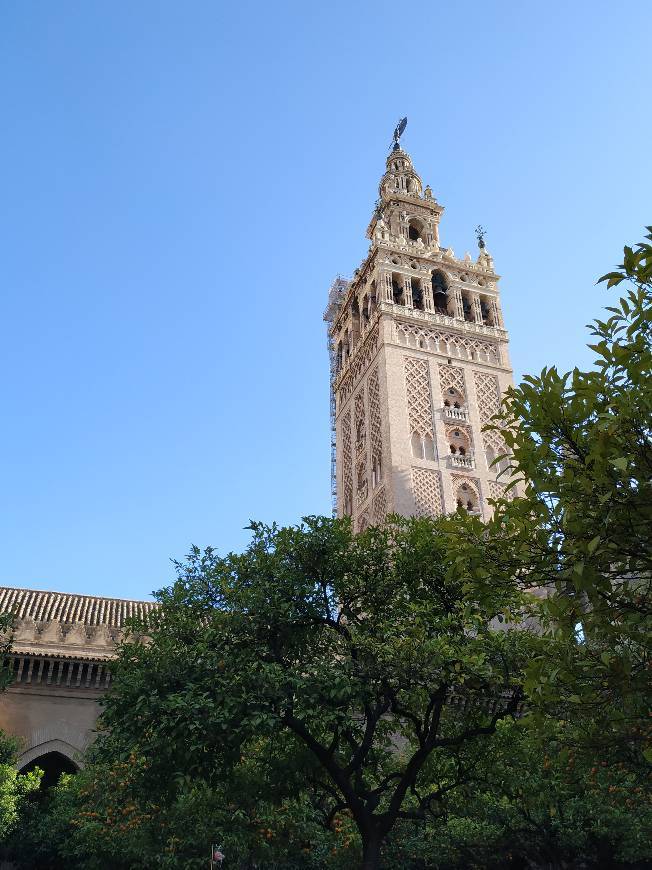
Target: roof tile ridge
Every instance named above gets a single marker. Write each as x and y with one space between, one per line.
82 595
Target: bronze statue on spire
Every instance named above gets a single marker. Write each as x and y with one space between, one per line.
398 132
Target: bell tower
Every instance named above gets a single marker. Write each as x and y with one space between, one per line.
419 362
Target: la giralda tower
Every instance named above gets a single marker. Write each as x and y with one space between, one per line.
419 361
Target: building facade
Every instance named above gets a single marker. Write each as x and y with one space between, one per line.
420 361
60 651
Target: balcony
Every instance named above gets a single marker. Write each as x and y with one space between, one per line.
460 414
457 461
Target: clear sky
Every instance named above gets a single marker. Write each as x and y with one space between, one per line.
181 181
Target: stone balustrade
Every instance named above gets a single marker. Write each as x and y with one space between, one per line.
457 461
457 414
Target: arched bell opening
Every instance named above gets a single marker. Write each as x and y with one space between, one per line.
417 295
486 311
397 291
467 308
415 230
439 283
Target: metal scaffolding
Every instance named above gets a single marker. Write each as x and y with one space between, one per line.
335 295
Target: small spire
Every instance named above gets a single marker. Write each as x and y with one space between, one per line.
480 233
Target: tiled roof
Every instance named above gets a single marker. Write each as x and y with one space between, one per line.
66 607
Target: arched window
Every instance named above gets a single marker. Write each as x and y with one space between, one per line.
467 498
439 284
423 446
376 472
417 446
453 399
458 441
415 230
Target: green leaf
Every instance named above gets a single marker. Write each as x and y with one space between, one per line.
593 544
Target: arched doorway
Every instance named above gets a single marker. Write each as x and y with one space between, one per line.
53 764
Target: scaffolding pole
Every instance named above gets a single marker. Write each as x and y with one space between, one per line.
335 295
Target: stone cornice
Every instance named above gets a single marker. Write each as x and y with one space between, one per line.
64 625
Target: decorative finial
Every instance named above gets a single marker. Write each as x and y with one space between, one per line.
398 132
480 234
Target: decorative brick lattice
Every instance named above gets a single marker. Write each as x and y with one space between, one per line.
498 490
347 463
494 440
488 393
379 507
361 359
426 486
419 398
363 521
460 346
486 388
360 423
452 376
373 394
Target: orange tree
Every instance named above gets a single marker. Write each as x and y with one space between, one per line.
581 535
537 803
108 815
352 659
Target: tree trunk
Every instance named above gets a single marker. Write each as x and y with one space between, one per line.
371 852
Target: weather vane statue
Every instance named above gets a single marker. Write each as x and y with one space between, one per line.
480 233
398 132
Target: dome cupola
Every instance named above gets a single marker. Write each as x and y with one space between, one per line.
400 176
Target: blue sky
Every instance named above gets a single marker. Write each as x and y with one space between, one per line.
182 181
